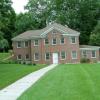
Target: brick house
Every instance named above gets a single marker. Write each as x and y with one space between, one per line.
52 44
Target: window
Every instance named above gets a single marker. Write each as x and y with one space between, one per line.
27 56
36 56
62 40
84 53
63 55
36 42
74 55
19 44
26 43
47 56
54 32
73 39
19 57
54 41
93 54
46 41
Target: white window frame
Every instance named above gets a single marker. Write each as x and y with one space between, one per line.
18 57
83 53
27 58
35 57
20 43
35 42
92 55
45 56
45 42
61 40
71 39
72 54
25 45
52 41
61 55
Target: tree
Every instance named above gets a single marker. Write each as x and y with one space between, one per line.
7 19
81 15
95 36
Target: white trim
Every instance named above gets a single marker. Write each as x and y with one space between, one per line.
95 54
83 54
34 57
72 54
61 57
62 31
34 42
95 48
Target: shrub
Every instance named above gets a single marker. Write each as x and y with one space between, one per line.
85 60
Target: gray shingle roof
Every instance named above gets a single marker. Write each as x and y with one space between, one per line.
37 33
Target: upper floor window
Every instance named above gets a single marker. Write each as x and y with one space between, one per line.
19 44
62 40
36 56
26 44
54 32
63 55
74 55
47 56
19 57
27 57
54 41
84 53
46 41
73 39
93 54
36 42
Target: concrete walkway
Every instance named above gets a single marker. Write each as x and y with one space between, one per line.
13 91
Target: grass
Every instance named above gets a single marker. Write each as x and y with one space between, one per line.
9 73
67 82
4 55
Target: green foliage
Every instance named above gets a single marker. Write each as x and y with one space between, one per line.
85 60
95 36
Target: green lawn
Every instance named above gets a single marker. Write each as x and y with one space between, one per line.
67 82
9 73
4 55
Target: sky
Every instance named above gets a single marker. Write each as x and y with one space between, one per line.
18 5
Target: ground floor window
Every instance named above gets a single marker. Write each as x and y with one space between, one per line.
27 57
84 53
47 56
93 54
74 55
63 55
36 56
19 57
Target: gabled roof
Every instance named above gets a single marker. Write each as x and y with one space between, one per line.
42 32
89 47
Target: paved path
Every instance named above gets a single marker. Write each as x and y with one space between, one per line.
13 91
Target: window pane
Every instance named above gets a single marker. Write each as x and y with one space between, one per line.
73 39
36 56
27 56
84 53
62 40
93 53
47 56
19 57
19 44
74 55
26 43
63 55
36 42
46 41
54 41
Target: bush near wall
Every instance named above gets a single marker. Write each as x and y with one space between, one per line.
85 60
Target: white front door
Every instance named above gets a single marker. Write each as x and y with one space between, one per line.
55 58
